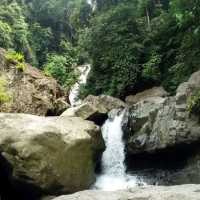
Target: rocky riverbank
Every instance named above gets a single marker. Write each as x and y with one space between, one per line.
162 134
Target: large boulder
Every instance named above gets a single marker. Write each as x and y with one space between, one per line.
54 154
31 91
153 92
84 111
183 192
95 108
158 123
104 103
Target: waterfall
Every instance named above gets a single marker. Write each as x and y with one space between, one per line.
114 175
92 4
73 95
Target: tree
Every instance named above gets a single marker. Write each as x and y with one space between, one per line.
61 68
5 35
116 52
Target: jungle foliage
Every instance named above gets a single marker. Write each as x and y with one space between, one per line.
132 44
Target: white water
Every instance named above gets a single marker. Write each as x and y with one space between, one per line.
114 175
73 95
92 3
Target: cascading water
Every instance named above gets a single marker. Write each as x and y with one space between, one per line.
73 96
114 175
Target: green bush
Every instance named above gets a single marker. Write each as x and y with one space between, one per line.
61 68
4 96
14 57
151 69
5 35
17 59
21 67
194 103
114 43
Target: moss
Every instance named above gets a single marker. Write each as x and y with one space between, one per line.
193 104
4 95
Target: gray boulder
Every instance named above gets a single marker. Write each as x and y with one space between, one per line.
104 103
95 108
182 192
153 92
158 123
55 154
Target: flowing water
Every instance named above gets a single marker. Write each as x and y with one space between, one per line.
114 175
73 96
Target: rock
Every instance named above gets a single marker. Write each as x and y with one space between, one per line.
183 192
54 154
158 123
48 198
186 88
84 111
87 112
95 108
60 105
104 103
153 92
32 92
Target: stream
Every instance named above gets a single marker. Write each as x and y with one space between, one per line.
74 92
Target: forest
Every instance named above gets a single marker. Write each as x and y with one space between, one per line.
131 44
100 99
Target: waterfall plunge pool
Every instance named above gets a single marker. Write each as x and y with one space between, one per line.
142 169
113 174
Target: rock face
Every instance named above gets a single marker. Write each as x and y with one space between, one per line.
158 123
153 92
95 108
183 192
31 91
55 154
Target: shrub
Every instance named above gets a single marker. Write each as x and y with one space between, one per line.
151 69
14 57
21 67
5 35
114 44
194 103
17 59
4 96
61 68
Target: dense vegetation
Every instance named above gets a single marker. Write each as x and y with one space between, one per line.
132 44
45 32
143 43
